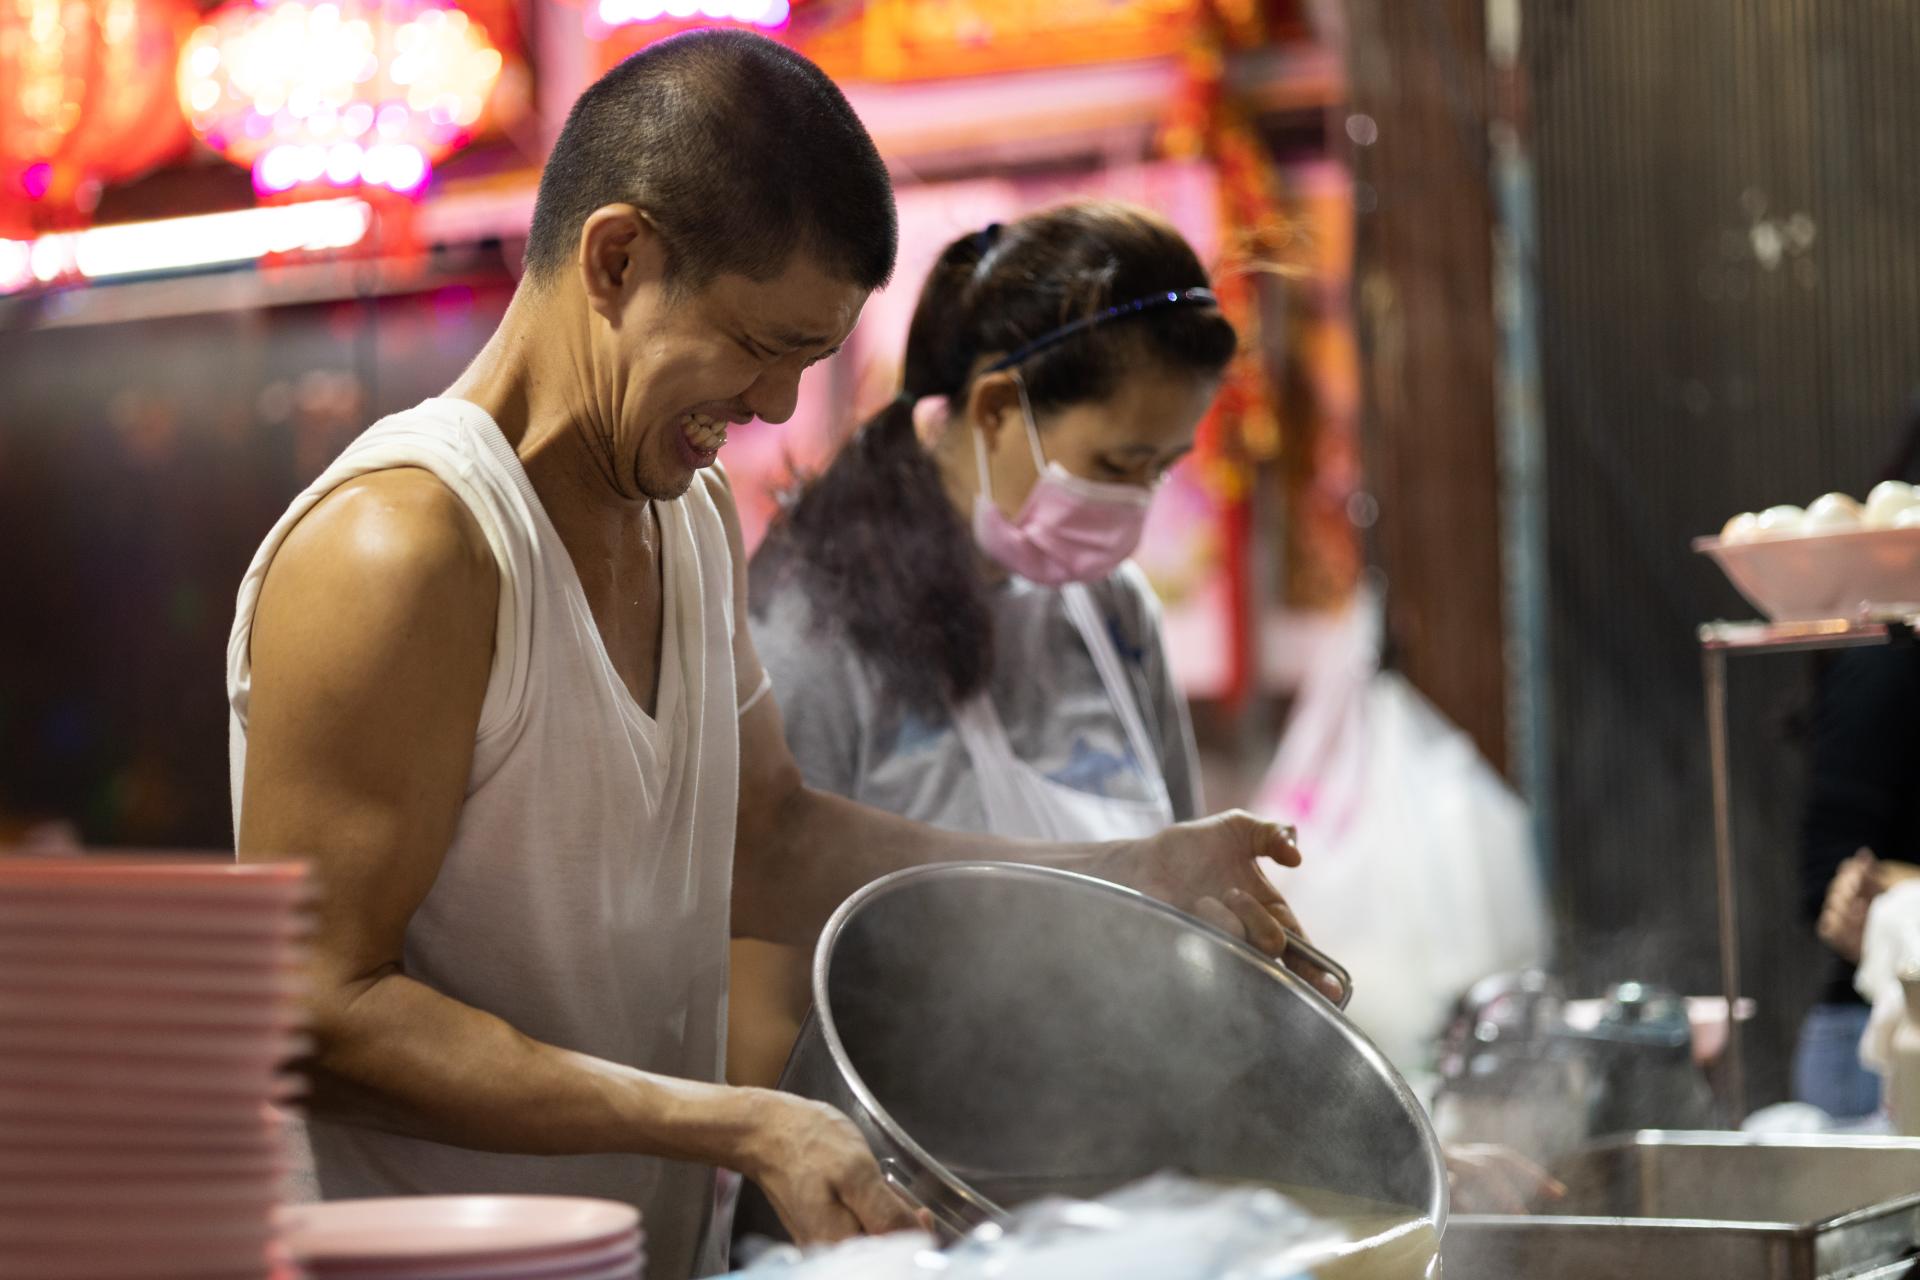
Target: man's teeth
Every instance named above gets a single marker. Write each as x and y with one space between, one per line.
704 433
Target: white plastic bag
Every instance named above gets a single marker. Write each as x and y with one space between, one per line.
1419 870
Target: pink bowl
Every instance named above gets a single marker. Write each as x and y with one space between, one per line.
1866 573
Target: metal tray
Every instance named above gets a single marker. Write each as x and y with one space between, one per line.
1679 1205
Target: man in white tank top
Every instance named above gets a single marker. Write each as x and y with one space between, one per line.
490 674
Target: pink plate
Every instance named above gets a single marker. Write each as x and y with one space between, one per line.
154 874
158 919
253 1134
623 1250
135 1258
237 1229
108 1197
186 1046
64 946
133 1108
277 982
136 1073
510 1266
133 1007
398 1228
214 1260
626 1267
119 1164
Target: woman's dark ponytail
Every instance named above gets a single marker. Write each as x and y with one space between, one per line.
874 540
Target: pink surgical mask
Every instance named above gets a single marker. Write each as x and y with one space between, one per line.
1069 530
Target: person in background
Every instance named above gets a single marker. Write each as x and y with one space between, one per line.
975 651
1860 835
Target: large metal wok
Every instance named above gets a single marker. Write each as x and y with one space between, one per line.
1004 1032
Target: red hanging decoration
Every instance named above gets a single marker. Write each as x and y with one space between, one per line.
88 101
1243 427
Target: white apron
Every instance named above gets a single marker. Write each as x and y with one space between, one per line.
1023 803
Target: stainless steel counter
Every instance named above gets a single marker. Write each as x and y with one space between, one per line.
1679 1206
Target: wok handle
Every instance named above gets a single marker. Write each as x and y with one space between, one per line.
901 1181
1320 959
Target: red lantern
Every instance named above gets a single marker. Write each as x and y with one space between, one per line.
312 94
89 101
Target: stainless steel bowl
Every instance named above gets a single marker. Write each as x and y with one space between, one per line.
1004 1032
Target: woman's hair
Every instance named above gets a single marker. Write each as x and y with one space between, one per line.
874 541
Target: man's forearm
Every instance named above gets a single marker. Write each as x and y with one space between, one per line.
396 1055
817 849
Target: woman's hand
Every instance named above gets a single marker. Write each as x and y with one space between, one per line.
1211 868
1490 1179
1843 919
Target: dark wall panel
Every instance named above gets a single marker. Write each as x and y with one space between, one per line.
1729 288
140 466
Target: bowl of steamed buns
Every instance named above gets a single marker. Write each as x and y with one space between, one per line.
1835 558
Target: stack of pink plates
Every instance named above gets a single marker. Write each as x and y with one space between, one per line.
146 1009
465 1238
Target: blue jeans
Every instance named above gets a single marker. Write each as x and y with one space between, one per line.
1826 1066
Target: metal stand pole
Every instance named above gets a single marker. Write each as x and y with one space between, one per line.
1715 661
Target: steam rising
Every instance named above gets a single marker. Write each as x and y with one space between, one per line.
1038 1036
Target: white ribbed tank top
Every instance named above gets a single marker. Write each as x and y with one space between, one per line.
585 896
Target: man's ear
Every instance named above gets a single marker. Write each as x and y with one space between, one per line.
621 250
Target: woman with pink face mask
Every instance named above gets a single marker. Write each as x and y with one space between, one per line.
951 622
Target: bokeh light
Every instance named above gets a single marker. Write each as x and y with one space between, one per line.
324 95
767 15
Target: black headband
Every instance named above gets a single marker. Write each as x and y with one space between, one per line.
1153 301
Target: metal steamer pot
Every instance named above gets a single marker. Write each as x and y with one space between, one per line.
1002 1033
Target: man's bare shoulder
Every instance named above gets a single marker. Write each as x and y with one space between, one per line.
396 528
391 554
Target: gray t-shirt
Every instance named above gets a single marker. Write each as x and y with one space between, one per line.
852 738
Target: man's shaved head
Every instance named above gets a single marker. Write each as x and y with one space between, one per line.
738 149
